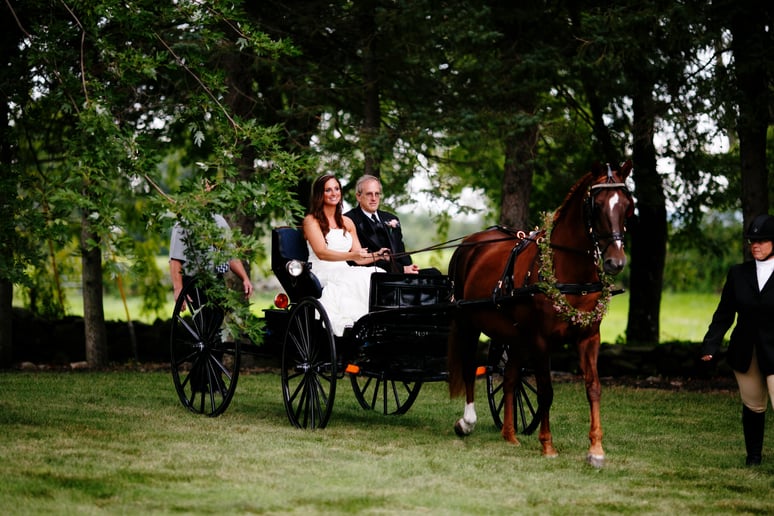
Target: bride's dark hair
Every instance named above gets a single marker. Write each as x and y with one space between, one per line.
317 201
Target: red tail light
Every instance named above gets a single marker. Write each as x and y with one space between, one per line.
281 300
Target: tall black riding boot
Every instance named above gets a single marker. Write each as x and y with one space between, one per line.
753 424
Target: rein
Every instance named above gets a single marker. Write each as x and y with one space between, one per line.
449 244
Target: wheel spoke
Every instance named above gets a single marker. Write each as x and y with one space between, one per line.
377 387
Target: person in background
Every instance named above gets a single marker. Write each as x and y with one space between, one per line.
180 273
748 296
182 270
379 229
177 261
333 241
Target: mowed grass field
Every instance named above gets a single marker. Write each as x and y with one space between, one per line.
121 443
684 317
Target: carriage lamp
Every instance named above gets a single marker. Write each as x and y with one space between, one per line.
281 300
295 268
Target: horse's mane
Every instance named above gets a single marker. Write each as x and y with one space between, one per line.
580 185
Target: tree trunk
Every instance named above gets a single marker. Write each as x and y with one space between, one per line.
238 97
95 332
6 323
648 232
371 108
517 180
8 187
750 47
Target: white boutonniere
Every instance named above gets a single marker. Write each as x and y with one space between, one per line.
392 224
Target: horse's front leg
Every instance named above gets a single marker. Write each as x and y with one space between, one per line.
589 353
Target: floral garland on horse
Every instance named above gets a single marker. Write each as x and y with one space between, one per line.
559 301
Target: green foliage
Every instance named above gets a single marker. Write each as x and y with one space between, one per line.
119 110
699 262
116 84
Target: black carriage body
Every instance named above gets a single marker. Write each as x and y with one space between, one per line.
388 353
405 332
398 345
406 329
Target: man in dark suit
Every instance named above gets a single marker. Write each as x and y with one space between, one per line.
377 229
748 297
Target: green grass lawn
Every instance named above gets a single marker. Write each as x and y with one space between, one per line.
120 443
684 316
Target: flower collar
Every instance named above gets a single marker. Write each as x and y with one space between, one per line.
548 284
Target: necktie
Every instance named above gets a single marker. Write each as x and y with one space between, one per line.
374 219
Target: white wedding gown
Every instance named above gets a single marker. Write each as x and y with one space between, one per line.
345 288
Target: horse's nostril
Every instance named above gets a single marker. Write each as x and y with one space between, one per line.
614 266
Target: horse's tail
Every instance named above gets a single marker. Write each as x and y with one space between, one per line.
454 362
461 357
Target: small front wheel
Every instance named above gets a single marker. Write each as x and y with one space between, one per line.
309 369
204 368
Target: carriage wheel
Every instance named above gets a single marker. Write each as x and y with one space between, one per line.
524 396
309 366
204 368
392 397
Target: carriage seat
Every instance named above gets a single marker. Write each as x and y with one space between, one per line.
408 290
288 243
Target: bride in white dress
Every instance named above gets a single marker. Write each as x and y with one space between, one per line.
332 241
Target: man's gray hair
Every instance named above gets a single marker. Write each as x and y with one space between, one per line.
364 179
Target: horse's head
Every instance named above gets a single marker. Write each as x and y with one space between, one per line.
609 205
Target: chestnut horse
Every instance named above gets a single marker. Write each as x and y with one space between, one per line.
529 294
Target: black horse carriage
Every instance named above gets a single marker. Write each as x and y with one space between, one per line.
388 354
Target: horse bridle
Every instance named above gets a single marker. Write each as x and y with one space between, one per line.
590 206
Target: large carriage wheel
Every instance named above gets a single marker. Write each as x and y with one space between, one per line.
374 392
524 396
309 366
204 368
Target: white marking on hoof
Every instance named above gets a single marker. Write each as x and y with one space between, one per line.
597 461
460 428
465 425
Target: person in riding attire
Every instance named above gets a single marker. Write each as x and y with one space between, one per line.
748 296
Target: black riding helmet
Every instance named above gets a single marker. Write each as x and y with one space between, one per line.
761 228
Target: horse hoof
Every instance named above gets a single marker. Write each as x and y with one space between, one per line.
460 430
550 453
597 461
